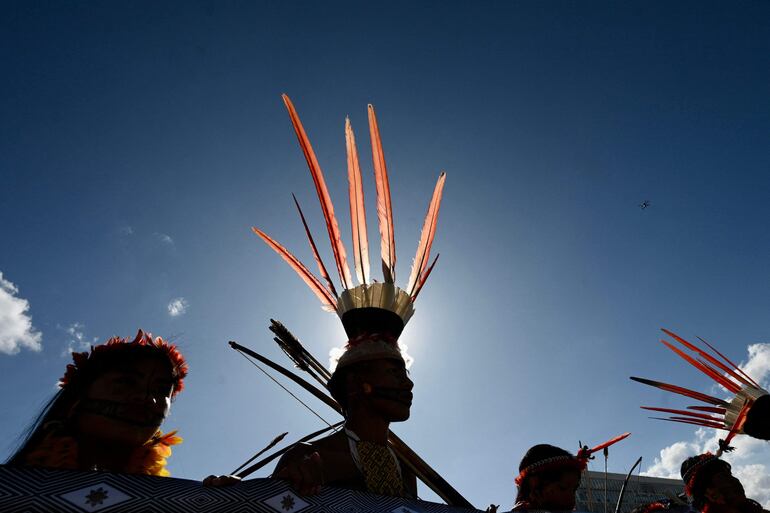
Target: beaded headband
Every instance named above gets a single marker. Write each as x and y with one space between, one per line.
578 462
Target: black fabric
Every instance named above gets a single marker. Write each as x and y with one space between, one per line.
758 419
360 321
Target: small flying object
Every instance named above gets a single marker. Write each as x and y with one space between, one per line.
644 204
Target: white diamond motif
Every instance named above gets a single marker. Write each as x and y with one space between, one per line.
286 502
95 497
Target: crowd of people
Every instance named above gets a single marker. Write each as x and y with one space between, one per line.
113 399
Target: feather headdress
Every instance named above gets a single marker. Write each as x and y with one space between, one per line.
578 462
370 306
720 414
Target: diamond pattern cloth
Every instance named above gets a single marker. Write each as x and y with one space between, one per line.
380 469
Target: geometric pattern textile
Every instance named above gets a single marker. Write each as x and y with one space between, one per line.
38 490
380 469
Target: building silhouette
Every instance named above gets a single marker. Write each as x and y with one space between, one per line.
640 490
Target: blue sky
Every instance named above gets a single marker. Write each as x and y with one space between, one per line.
140 142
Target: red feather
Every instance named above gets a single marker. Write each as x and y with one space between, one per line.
613 441
682 391
684 412
323 196
739 421
424 277
357 210
692 422
710 409
731 363
707 356
422 256
321 266
384 210
729 385
328 302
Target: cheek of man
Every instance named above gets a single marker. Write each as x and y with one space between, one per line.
389 389
725 489
127 405
561 494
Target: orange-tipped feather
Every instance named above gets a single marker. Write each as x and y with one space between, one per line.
738 369
692 422
422 256
613 441
684 412
704 354
739 422
681 391
323 196
710 409
327 301
729 385
384 210
357 210
321 266
424 278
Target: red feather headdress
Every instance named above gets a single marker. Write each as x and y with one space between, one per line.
730 415
578 462
87 363
357 306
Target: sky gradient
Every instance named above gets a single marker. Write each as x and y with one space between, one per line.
140 142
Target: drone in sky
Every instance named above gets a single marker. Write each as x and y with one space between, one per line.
644 204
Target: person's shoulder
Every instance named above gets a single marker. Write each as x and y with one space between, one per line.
335 442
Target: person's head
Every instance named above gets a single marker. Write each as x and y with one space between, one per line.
119 392
709 480
548 478
758 419
371 378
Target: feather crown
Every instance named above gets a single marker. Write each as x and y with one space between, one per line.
370 306
86 365
725 415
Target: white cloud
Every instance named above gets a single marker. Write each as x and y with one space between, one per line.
164 238
178 307
77 341
758 365
751 456
16 330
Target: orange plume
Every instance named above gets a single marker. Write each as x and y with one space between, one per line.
729 385
327 300
422 256
424 278
357 209
612 441
321 266
323 196
704 354
384 209
681 391
740 371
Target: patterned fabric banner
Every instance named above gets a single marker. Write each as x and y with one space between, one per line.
44 491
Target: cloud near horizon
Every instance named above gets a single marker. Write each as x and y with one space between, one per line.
16 330
750 460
